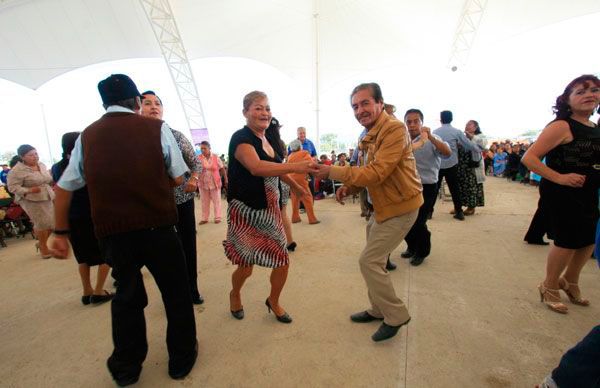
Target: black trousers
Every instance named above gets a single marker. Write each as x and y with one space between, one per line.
451 175
186 230
537 228
159 249
418 238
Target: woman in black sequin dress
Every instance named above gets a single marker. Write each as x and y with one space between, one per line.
569 188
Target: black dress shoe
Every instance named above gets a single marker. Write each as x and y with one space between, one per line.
99 299
180 372
460 216
416 260
363 317
389 265
541 242
124 379
285 318
239 314
407 254
386 331
197 299
85 299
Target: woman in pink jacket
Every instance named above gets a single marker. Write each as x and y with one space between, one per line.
210 182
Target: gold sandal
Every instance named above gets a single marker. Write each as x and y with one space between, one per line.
575 299
554 305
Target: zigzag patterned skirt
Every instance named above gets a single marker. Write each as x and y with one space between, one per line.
256 236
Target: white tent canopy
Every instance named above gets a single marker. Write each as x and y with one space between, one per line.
404 45
41 39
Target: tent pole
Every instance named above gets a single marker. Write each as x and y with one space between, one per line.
46 132
317 92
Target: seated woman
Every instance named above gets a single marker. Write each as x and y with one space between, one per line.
500 161
342 160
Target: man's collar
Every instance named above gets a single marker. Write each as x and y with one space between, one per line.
118 108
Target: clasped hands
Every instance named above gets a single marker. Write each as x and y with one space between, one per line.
321 171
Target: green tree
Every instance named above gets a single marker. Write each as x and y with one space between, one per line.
6 156
328 142
531 132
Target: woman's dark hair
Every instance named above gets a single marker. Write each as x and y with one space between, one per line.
274 137
15 159
68 143
23 149
477 129
205 143
561 109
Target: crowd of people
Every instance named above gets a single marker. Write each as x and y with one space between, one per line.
97 199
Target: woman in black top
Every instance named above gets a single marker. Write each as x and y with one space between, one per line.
83 240
255 233
569 188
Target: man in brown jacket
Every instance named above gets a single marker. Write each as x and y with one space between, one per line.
394 191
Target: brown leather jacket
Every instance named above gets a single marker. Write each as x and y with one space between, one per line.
390 173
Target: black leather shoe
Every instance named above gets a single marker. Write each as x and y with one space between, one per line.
389 265
386 331
180 372
124 379
285 318
407 254
239 314
460 216
99 299
197 299
85 300
363 317
416 260
541 242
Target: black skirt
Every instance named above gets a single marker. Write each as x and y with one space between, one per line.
84 242
571 214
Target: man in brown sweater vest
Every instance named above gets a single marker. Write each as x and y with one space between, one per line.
116 157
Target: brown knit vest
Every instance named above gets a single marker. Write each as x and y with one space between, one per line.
126 175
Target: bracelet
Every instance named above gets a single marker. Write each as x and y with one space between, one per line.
61 232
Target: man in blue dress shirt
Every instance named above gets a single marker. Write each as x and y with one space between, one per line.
449 166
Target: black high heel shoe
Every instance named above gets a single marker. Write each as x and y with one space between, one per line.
238 314
285 318
292 246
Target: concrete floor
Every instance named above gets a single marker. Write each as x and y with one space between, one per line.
476 316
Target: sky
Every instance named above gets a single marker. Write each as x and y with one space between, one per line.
509 88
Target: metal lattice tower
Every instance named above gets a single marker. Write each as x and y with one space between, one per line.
171 45
464 37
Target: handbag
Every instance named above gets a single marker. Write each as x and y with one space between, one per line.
14 212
